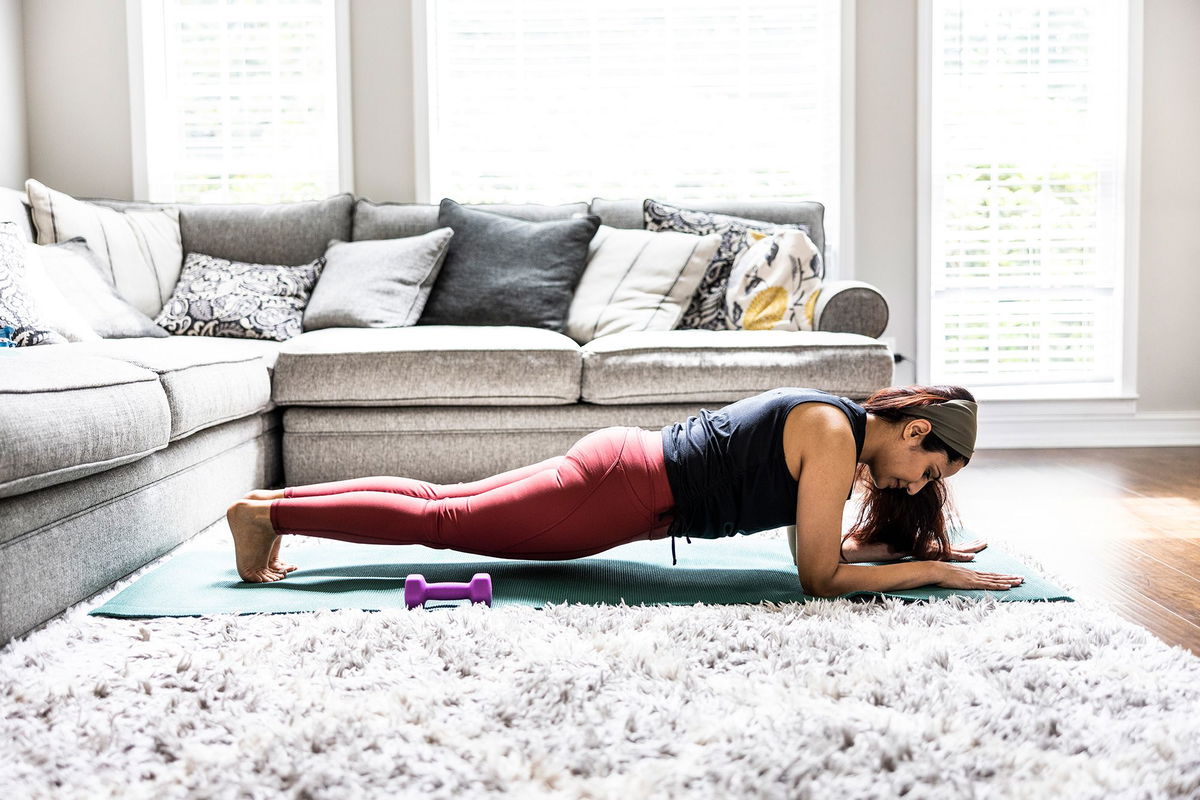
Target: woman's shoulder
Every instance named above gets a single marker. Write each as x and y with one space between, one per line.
815 427
819 419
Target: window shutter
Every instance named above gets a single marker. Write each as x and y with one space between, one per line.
543 101
1028 128
246 107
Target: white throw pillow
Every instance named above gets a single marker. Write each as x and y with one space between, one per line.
20 313
773 285
637 280
141 249
57 312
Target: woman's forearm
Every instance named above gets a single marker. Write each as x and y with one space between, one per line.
853 551
886 577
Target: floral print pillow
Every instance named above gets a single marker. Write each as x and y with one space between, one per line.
218 297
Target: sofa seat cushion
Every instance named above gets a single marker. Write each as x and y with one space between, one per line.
68 414
207 381
685 366
451 365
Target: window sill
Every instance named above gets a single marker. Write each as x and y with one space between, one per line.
1029 392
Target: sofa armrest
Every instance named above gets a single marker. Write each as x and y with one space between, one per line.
851 307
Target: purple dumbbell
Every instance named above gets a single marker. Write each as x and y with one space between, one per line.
417 591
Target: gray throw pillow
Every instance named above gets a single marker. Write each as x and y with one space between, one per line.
18 308
218 297
381 283
707 307
505 271
84 281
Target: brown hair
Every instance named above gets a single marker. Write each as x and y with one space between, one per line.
911 524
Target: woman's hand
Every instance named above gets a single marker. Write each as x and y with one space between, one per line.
966 551
952 576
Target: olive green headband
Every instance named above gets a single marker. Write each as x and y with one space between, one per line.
955 422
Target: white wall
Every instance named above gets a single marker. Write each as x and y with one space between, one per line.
382 76
1169 290
78 116
14 153
77 93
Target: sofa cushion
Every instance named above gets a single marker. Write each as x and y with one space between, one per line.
272 233
506 271
397 220
723 366
67 415
806 214
427 365
139 248
207 381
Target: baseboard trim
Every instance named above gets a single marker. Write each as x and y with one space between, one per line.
1149 429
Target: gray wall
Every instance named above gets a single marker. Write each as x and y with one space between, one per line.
14 154
76 77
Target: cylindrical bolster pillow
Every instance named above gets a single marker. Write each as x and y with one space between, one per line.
851 307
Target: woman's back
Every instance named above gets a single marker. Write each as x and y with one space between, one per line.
727 468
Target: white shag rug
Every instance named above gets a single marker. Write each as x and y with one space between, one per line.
829 699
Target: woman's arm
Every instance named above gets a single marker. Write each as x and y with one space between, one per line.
826 473
852 549
883 578
855 551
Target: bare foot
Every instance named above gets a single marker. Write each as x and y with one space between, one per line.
275 562
254 541
263 494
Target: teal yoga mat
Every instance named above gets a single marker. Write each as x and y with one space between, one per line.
335 575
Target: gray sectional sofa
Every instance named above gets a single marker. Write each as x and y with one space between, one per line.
114 452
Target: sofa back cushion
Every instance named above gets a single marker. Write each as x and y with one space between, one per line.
396 220
809 214
290 234
139 247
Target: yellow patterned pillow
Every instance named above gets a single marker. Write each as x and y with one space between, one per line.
773 285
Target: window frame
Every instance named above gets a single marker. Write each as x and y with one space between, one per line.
1110 395
146 72
839 238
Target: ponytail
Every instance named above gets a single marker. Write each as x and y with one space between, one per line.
914 524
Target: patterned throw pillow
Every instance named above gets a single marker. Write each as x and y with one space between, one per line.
773 286
217 297
18 307
707 307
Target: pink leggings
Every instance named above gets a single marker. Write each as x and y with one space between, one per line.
610 488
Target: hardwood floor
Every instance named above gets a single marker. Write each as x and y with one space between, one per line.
1123 524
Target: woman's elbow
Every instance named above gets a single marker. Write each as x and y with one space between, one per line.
818 586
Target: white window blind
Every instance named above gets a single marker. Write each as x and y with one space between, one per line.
545 101
1028 133
241 100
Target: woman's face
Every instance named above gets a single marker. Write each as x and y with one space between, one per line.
904 464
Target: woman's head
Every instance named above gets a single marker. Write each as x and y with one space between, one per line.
929 436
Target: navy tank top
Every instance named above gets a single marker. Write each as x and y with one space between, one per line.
727 469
